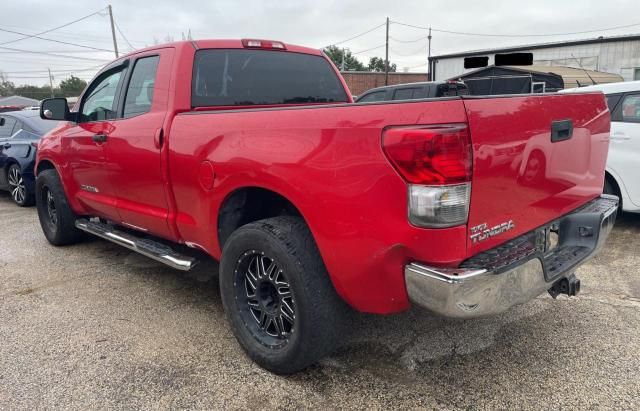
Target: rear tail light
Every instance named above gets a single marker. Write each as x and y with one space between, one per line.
263 44
436 162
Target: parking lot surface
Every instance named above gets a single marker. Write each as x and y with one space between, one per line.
97 326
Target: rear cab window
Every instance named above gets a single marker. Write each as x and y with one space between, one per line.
237 77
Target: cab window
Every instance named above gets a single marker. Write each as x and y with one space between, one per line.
140 90
403 93
375 96
6 130
612 101
630 108
100 102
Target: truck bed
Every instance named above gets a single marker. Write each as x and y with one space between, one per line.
328 161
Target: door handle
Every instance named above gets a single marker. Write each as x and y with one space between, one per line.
561 130
618 136
7 145
99 138
158 138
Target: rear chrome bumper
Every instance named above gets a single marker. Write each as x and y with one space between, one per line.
489 284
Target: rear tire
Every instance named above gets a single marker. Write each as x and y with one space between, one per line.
277 295
56 217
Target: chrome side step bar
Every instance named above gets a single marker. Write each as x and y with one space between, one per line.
147 247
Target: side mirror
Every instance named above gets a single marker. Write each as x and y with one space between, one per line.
54 109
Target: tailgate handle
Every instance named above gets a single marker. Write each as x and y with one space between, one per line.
561 130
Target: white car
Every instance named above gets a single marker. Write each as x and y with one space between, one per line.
623 173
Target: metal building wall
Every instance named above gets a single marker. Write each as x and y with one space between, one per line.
620 57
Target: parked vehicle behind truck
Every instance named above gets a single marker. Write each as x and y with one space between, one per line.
19 135
622 177
252 152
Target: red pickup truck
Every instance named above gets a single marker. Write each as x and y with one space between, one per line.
253 152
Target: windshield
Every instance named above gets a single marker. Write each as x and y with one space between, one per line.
251 77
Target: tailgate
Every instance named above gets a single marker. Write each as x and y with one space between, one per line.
521 178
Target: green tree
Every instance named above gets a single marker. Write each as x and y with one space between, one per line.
6 87
377 64
351 63
72 86
35 92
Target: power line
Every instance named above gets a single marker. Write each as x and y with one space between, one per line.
57 51
409 41
53 54
75 36
359 35
123 36
516 35
54 41
53 29
420 51
59 71
372 48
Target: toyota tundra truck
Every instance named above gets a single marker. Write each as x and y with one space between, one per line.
252 152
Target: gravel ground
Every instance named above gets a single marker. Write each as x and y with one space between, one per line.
94 326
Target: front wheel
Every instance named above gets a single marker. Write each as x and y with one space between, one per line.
56 217
277 295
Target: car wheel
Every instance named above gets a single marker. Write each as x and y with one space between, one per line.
277 295
534 171
56 217
18 188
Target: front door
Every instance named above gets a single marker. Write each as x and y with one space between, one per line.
134 146
624 149
84 144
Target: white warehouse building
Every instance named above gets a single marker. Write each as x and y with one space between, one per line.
616 54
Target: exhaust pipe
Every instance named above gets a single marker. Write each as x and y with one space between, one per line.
569 285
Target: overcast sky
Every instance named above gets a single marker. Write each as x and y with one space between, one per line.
315 23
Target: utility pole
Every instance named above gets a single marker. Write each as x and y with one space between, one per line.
429 57
50 82
113 31
386 56
342 65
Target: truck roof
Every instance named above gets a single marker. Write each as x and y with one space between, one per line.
223 44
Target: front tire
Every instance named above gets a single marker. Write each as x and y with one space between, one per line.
56 217
277 295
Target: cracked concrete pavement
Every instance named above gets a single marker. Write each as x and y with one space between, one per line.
94 326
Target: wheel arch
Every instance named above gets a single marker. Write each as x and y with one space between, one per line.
45 164
244 205
611 179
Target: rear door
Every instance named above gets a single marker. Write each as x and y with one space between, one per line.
625 143
535 159
134 147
